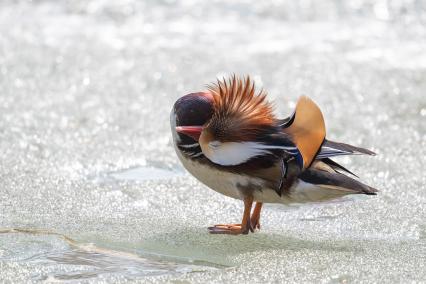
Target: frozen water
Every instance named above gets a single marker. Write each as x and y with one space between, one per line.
62 258
142 173
85 93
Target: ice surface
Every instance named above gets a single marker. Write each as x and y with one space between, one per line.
86 88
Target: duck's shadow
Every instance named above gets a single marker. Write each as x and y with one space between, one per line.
198 245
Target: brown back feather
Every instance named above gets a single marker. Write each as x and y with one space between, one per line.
239 111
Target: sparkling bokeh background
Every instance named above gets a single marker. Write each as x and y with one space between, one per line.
86 88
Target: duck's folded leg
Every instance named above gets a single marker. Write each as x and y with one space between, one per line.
255 216
236 229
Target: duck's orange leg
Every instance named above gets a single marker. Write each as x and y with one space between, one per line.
255 216
236 229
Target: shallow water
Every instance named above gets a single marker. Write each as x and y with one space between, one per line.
89 177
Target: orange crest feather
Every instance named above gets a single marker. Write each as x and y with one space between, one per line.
240 112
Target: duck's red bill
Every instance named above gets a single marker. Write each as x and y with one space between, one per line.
192 131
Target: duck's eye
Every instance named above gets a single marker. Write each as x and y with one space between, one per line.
214 144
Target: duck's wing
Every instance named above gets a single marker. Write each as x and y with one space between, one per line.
337 167
332 149
325 177
307 129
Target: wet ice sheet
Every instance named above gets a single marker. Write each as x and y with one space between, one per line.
61 259
85 93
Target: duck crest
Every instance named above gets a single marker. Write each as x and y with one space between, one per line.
240 112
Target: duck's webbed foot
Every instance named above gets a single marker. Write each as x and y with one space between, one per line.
247 224
230 229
